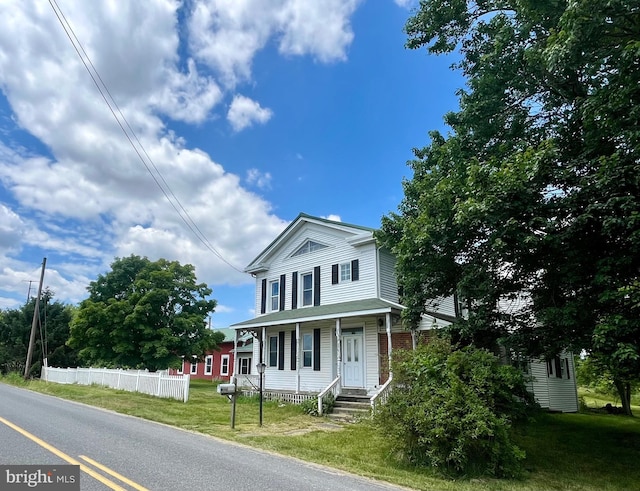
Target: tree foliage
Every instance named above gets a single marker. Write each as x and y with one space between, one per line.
454 410
52 329
535 193
144 314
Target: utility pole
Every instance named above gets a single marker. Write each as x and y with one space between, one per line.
34 323
29 291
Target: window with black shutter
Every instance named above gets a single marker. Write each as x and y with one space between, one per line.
281 350
263 297
283 279
316 286
294 290
316 349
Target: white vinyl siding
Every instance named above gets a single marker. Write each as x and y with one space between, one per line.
388 283
551 392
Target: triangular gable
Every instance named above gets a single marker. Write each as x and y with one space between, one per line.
307 247
260 262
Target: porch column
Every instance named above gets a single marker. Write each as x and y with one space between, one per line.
297 357
339 350
388 322
414 339
263 344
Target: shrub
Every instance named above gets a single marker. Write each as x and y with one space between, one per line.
310 406
454 409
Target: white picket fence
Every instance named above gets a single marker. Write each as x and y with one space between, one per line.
158 384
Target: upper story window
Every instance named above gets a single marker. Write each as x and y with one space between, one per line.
307 247
307 289
274 295
345 272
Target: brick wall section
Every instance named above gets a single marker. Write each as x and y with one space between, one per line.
399 340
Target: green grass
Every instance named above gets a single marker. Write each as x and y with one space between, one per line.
584 451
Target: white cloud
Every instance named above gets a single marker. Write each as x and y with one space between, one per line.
243 112
405 3
335 218
259 179
226 35
85 196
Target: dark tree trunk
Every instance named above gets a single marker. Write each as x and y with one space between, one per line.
624 391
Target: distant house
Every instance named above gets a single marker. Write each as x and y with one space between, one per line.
328 314
217 365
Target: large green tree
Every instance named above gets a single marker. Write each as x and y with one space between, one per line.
144 314
535 192
50 340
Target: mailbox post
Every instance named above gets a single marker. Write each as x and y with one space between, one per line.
229 390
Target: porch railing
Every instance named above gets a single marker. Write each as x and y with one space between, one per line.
245 380
382 395
334 388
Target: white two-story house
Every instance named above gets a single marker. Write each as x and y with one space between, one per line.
327 311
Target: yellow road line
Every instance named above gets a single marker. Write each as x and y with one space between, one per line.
113 473
70 459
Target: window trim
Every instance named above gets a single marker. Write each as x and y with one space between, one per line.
308 274
274 300
245 370
342 268
309 336
224 367
273 355
208 365
193 370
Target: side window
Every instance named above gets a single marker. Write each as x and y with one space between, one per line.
194 368
307 350
274 295
224 365
208 365
273 351
307 289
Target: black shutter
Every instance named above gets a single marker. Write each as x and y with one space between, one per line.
316 286
293 350
263 297
566 360
355 270
281 350
316 349
558 367
283 282
294 290
334 274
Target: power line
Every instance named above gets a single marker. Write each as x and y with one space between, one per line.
131 136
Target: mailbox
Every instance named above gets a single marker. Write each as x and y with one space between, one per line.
226 389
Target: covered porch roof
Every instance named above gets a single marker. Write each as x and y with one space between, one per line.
355 308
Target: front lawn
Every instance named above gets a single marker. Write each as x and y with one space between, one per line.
585 451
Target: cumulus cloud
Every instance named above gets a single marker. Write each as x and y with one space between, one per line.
226 35
259 179
243 112
335 218
82 193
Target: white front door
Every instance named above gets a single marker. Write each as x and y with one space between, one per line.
352 361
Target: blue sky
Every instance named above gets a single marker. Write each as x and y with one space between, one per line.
251 111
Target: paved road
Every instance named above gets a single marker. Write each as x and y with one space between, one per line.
150 455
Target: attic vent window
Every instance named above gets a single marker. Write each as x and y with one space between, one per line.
307 247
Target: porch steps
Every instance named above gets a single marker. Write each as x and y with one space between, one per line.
351 405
